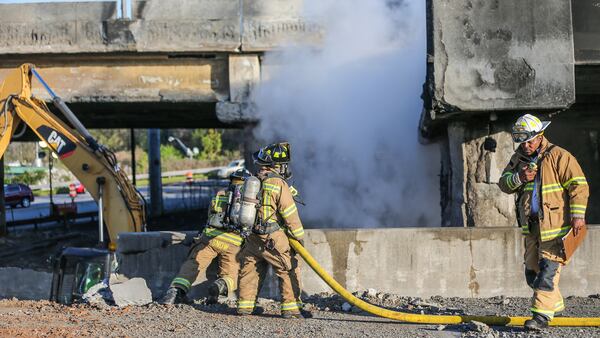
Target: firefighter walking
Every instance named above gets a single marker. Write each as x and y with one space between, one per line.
552 195
268 244
217 240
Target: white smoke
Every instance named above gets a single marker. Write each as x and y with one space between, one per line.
350 110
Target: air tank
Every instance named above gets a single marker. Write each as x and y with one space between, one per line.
247 214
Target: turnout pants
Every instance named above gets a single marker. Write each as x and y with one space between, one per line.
201 254
256 255
543 264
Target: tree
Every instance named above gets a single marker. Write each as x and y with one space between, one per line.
211 145
113 139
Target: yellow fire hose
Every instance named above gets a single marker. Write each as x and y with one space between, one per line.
427 319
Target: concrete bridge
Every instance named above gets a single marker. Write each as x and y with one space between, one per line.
172 64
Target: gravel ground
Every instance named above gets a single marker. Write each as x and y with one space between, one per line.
43 318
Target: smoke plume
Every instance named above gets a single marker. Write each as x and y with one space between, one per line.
350 108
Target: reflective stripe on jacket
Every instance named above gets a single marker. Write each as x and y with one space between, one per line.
563 192
223 235
278 205
217 208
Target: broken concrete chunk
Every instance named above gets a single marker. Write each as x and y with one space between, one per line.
371 293
132 292
346 307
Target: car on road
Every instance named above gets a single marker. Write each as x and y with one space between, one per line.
231 168
18 194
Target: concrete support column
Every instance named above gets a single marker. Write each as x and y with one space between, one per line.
251 144
244 75
470 175
154 172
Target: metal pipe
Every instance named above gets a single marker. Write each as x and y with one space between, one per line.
100 180
132 144
62 106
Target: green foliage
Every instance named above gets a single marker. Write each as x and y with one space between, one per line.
62 190
197 136
23 152
30 177
141 161
169 156
113 139
211 145
169 153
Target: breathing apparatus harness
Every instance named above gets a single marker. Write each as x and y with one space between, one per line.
533 163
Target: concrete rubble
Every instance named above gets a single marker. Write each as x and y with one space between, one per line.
119 291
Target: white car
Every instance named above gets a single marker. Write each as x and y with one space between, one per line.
232 167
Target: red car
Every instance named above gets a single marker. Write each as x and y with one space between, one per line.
17 194
79 188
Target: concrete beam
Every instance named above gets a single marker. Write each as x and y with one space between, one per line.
142 79
418 262
586 27
270 24
181 26
500 55
135 91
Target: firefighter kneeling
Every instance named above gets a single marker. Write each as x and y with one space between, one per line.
268 243
220 238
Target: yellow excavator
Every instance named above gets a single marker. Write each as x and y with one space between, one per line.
121 207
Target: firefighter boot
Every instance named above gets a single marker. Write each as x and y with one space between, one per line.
172 296
306 313
292 314
536 323
219 287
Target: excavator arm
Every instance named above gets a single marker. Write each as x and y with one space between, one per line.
122 206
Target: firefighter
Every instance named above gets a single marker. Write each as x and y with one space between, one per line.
268 244
218 239
552 195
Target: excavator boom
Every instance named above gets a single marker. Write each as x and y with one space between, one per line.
122 206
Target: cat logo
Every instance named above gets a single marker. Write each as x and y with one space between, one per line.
57 141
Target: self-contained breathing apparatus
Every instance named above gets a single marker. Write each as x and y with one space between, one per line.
228 211
243 203
244 210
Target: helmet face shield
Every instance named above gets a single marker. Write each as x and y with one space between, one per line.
261 157
522 136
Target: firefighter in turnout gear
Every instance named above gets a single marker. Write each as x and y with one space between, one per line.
268 244
552 196
219 239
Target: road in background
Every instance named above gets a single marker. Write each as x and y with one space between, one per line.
178 196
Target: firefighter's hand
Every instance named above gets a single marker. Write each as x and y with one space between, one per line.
577 224
526 174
